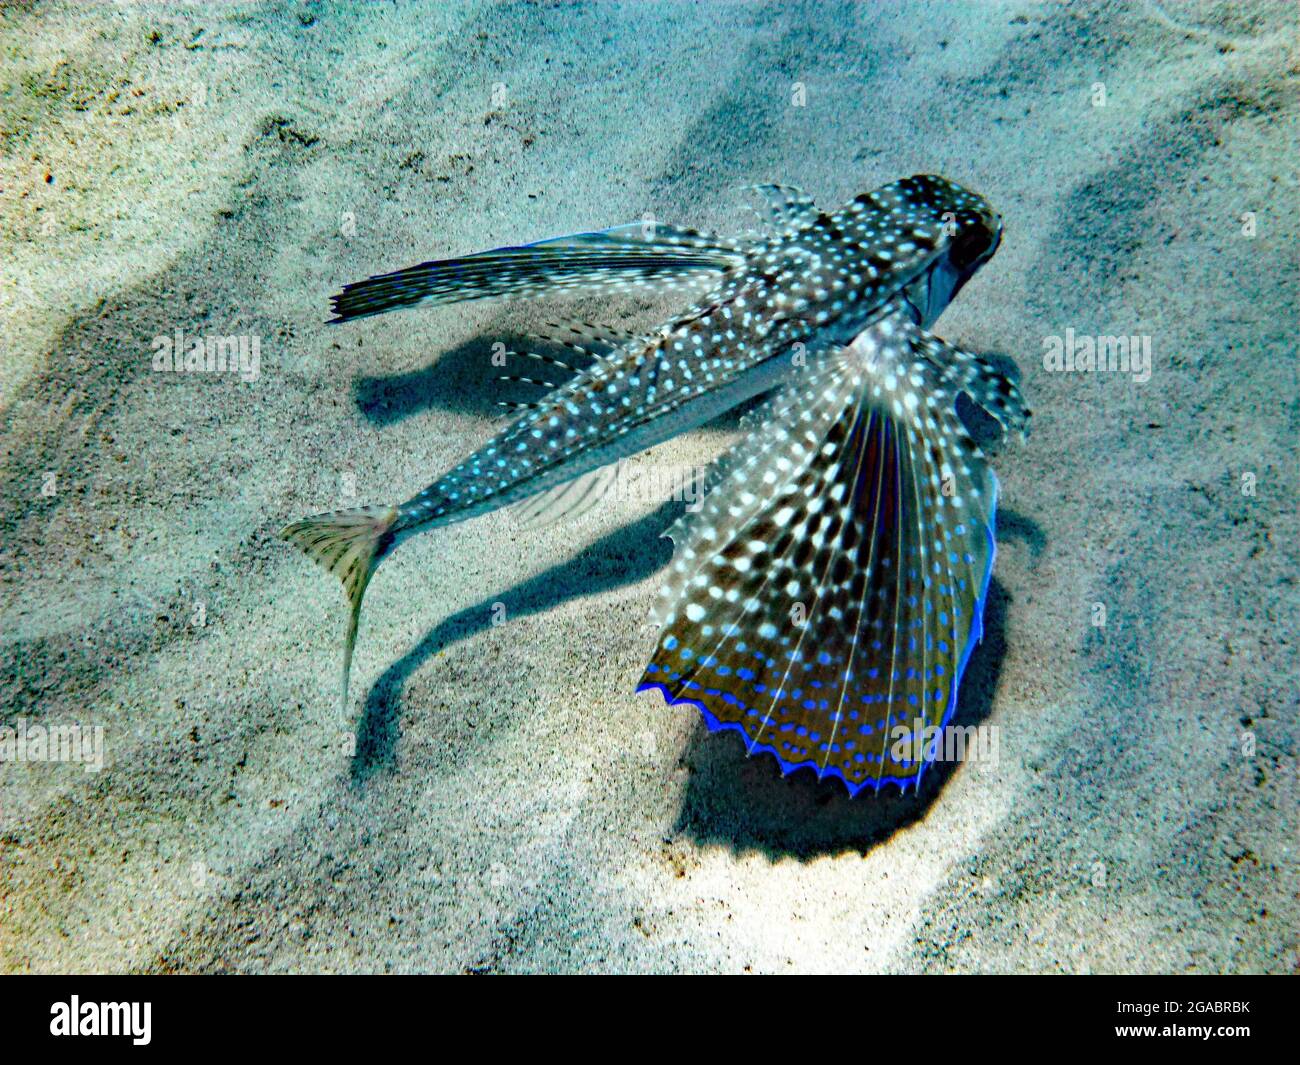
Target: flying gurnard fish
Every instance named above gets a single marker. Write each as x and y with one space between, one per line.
830 589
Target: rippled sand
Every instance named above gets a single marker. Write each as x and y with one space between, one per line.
496 798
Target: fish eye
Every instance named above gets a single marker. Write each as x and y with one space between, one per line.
976 239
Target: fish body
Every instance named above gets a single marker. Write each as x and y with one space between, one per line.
817 295
815 283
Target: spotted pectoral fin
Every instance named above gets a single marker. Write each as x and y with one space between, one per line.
737 459
824 600
650 256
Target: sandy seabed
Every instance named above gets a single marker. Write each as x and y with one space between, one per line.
496 798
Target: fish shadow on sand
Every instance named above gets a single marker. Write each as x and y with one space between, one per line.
627 555
746 804
464 379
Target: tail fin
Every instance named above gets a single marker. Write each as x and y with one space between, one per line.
349 543
654 258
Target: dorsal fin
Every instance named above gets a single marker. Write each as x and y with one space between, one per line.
784 207
647 256
586 338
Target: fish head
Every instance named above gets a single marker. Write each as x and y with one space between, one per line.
970 233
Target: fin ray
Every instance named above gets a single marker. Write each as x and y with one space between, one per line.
632 256
350 544
788 209
977 376
570 500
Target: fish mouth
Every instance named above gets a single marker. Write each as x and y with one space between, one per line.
930 293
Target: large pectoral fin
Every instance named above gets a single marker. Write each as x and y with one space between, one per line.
825 599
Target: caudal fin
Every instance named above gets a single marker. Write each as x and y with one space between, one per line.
350 544
650 258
